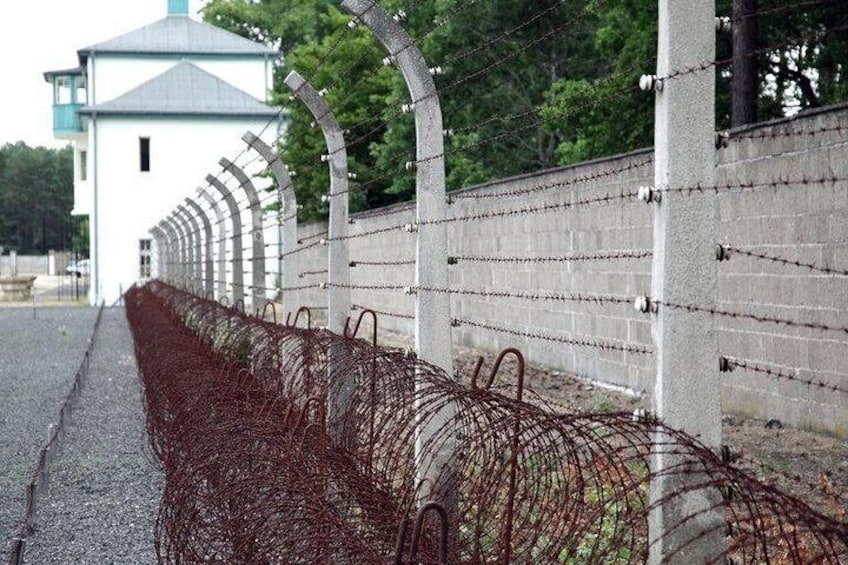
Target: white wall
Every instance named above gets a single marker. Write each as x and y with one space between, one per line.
83 190
130 202
117 75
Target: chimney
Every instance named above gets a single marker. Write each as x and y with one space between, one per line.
177 7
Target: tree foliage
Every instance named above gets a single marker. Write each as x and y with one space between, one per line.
36 197
526 85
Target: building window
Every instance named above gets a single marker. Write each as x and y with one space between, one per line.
83 165
144 154
144 258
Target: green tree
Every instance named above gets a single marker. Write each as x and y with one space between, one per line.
36 197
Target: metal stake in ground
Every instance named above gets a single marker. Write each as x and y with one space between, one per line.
338 262
432 309
257 260
286 223
689 527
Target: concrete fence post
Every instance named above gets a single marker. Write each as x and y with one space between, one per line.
173 262
287 223
257 247
208 246
338 302
432 308
160 269
235 220
688 527
195 243
340 391
186 250
221 255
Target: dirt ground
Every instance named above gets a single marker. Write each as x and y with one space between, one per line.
810 466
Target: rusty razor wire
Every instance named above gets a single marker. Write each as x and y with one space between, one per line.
265 464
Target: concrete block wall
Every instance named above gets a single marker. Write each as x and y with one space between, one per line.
581 210
801 222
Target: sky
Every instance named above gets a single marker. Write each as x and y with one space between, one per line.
44 35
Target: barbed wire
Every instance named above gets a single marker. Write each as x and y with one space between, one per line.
313 236
355 307
569 257
588 177
590 298
387 263
778 373
704 65
742 186
580 342
367 233
305 274
784 8
776 134
606 198
754 317
747 252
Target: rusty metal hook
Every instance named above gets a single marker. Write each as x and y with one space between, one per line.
224 301
419 527
273 310
239 306
352 335
519 386
297 317
312 400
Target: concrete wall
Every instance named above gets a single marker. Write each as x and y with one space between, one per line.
804 222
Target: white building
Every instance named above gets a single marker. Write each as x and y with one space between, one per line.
149 114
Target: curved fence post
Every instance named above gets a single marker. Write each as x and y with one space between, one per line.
235 220
432 308
186 247
287 223
257 259
220 221
338 302
208 247
175 252
195 243
161 239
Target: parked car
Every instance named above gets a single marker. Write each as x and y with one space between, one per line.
79 268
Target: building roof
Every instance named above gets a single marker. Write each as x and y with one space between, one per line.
184 90
178 35
49 76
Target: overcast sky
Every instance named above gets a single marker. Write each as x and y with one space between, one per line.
43 35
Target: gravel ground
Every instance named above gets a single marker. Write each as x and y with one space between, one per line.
38 361
104 489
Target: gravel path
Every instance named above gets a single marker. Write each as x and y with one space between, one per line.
104 489
38 361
